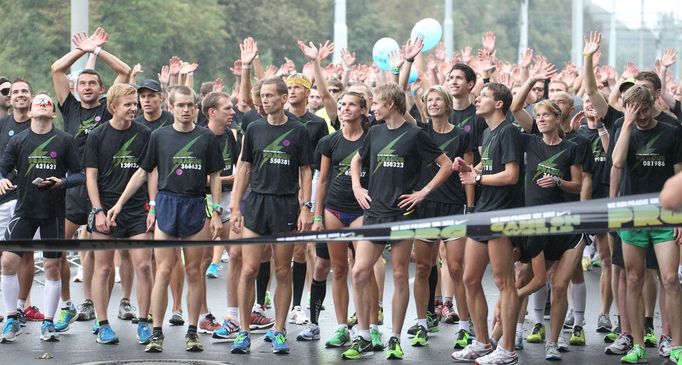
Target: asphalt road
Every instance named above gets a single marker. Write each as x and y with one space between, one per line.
78 345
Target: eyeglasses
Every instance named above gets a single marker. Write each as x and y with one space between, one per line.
538 89
334 91
4 91
42 101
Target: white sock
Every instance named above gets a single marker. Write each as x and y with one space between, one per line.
21 303
364 334
342 326
464 325
519 328
373 326
679 269
52 290
579 295
396 335
10 292
539 301
233 313
588 250
422 322
67 304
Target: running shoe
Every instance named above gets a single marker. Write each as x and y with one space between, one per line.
259 321
394 351
421 337
310 332
552 351
66 317
95 327
622 345
228 328
208 324
570 320
33 314
340 338
587 263
636 355
449 315
279 345
297 316
463 339
48 332
144 333
86 311
10 331
126 311
269 335
472 352
518 341
604 323
353 320
192 343
155 345
538 334
613 335
432 322
650 339
676 355
21 318
665 346
268 301
225 258
377 342
79 275
241 344
596 261
176 319
359 347
498 357
577 337
439 312
213 271
106 335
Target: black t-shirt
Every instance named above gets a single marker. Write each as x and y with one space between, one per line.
165 119
501 146
471 124
599 180
8 129
584 156
651 157
184 159
276 154
341 151
545 160
202 120
316 127
394 157
229 149
117 154
454 144
40 155
79 122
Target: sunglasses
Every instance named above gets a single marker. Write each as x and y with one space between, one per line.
334 90
4 91
42 101
538 89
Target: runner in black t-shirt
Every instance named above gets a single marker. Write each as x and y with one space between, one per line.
276 152
499 173
184 155
151 99
394 152
449 199
651 153
113 153
41 155
217 107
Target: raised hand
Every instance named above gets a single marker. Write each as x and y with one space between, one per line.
542 70
164 75
249 50
630 70
486 60
592 43
269 72
89 44
309 50
506 80
188 67
325 50
466 55
669 57
526 57
237 68
174 65
488 41
136 69
439 53
395 59
218 84
413 47
347 57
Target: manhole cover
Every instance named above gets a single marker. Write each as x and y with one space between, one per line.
155 362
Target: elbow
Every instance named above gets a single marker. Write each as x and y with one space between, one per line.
511 179
618 164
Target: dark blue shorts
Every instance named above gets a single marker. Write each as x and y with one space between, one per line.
180 215
345 218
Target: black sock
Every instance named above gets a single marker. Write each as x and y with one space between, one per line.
47 321
103 323
648 323
157 332
318 290
298 276
13 316
262 282
191 330
433 282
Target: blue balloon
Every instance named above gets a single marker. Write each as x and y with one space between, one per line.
380 52
414 75
429 30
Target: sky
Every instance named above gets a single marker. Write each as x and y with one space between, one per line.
628 11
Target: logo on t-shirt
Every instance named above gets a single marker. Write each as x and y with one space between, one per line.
88 125
184 159
386 157
227 157
548 167
41 159
486 161
598 151
124 159
344 165
463 124
647 155
273 153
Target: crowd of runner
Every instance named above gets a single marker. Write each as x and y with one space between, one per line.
344 145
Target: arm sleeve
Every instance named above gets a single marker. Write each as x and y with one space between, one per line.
91 155
305 154
214 157
427 149
150 157
9 158
247 153
511 144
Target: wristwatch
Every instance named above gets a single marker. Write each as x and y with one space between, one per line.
308 204
477 179
217 208
558 181
95 211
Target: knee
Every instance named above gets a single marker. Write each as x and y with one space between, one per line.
670 282
104 269
504 282
471 282
193 273
339 272
283 273
456 270
400 274
559 289
52 270
163 274
143 268
635 279
249 272
360 275
423 270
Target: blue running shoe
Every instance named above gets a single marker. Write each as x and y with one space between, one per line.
48 332
106 335
228 328
66 317
11 330
95 327
213 271
144 333
279 345
269 336
242 344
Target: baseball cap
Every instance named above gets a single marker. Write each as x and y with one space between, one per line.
626 84
4 79
150 84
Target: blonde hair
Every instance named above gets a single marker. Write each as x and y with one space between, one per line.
117 91
638 94
550 105
391 92
443 93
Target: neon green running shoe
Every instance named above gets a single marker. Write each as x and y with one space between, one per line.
636 355
394 351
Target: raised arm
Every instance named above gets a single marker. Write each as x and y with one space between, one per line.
539 72
589 79
412 49
316 56
248 50
668 59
